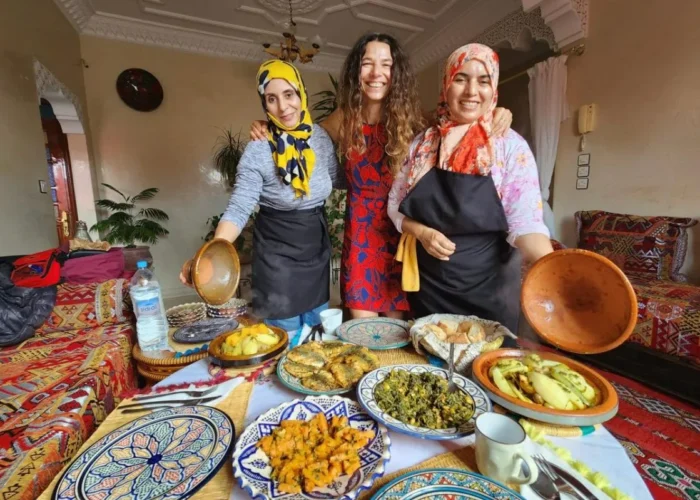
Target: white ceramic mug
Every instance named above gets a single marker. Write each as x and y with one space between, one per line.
331 319
500 449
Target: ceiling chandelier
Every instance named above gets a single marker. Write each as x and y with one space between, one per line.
289 50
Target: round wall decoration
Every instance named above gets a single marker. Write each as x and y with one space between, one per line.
139 89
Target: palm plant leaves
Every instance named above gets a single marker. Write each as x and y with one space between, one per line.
123 227
146 194
328 100
153 213
113 205
115 190
228 155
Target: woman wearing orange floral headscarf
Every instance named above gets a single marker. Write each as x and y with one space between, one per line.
470 199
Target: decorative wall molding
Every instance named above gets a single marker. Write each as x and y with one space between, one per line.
568 19
78 12
66 105
510 29
484 12
189 40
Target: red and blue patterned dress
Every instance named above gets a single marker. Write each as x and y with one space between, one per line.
371 277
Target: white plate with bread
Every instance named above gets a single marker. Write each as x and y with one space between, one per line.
470 334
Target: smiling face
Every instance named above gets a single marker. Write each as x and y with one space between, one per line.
470 94
283 102
375 71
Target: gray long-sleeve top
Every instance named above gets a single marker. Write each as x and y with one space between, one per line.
257 180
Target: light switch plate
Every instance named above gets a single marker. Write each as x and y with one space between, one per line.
42 187
582 183
583 171
584 159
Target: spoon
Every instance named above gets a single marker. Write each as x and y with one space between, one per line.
451 386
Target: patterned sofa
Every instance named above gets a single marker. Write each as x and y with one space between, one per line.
651 252
59 385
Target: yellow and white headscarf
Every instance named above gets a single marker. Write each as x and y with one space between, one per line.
293 157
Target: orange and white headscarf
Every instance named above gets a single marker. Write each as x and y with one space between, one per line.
465 149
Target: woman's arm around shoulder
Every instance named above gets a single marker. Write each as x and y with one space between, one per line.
522 200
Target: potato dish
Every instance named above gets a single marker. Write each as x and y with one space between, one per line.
422 400
309 455
543 382
326 366
249 340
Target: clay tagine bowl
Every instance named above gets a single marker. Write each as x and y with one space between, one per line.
214 271
602 412
579 301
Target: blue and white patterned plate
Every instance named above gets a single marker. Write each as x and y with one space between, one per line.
252 468
295 384
365 395
445 484
167 455
375 333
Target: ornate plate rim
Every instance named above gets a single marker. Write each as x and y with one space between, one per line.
108 439
429 434
353 494
303 390
403 477
398 322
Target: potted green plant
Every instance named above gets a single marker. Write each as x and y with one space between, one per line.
328 101
127 226
229 150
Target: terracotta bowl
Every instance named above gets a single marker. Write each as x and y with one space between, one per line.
579 301
214 271
603 412
226 361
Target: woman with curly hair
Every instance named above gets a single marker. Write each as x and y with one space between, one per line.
378 116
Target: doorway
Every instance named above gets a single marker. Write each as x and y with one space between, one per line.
60 184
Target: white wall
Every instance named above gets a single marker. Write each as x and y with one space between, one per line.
641 68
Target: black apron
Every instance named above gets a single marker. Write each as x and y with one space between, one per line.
291 262
482 277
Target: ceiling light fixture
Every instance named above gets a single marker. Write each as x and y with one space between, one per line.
289 50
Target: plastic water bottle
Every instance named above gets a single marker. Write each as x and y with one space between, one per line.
151 323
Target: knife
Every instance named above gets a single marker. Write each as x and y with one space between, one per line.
193 393
148 404
575 483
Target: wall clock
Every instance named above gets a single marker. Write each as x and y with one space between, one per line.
139 89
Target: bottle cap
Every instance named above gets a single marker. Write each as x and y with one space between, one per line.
142 264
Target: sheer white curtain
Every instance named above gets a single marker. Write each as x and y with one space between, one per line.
548 108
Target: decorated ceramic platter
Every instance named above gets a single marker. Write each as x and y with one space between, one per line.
294 383
167 455
366 397
602 412
375 333
444 484
204 330
252 467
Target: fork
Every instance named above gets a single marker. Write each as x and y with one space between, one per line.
561 485
311 337
194 393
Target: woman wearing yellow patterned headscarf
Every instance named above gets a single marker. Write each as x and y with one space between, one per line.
289 177
293 157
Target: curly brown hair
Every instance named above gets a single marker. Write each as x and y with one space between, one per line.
401 110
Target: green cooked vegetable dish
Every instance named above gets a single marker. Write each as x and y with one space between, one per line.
422 400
